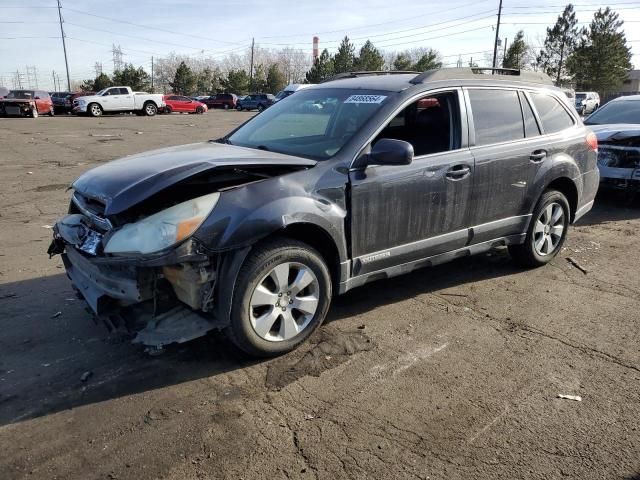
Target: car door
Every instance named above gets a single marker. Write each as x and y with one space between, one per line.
405 213
508 153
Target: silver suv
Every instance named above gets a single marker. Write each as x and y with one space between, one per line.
587 102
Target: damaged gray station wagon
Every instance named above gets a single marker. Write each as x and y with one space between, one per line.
360 178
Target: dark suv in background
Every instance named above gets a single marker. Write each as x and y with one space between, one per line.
221 100
354 180
256 101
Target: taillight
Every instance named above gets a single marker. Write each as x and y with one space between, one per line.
592 141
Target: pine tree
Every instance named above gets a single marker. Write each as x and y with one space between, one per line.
101 81
237 81
322 68
560 43
208 81
129 76
602 60
402 62
184 81
517 53
345 57
276 80
428 61
369 59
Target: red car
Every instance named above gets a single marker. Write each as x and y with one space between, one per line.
178 103
26 103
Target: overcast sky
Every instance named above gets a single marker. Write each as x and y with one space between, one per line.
30 34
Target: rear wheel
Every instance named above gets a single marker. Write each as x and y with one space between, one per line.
547 231
282 295
34 112
168 109
239 108
226 106
150 109
94 110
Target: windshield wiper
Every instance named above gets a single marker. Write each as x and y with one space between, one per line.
263 147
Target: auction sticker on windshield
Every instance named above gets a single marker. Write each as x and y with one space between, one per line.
365 99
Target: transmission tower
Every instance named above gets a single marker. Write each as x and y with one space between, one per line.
32 76
18 79
98 68
117 57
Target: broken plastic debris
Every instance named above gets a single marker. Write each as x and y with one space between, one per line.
309 417
86 375
47 226
576 398
56 315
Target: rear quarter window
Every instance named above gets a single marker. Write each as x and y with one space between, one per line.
552 114
496 116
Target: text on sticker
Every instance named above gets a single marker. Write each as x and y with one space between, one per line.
365 99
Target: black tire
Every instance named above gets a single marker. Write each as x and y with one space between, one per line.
52 112
199 110
150 109
239 108
167 109
527 254
258 265
93 111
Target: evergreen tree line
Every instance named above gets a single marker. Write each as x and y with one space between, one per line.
593 58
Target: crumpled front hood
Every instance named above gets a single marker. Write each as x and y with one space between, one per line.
615 131
123 183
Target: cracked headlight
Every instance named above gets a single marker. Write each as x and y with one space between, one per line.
163 229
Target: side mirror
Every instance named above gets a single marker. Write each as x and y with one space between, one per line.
388 151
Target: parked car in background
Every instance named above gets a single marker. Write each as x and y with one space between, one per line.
181 104
4 91
68 102
291 89
59 101
255 232
117 100
617 126
256 101
587 102
222 100
27 103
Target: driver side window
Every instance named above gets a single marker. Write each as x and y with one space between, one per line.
430 124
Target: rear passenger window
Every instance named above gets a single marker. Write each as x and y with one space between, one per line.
552 114
496 116
531 128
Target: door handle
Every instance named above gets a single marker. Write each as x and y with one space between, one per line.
538 156
458 172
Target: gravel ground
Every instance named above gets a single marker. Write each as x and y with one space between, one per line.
451 372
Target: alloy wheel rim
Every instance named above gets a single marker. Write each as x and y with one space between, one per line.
150 110
95 110
548 229
284 302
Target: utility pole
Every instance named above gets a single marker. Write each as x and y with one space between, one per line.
504 54
152 90
495 43
251 68
53 75
64 46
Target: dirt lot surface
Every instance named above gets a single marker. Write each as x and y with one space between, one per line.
448 373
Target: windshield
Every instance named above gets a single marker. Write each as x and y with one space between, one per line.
102 91
314 123
623 111
21 94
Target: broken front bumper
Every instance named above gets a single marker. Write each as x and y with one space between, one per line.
162 298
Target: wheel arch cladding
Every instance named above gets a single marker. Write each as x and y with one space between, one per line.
568 188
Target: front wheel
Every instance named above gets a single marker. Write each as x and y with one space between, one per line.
167 109
94 110
282 295
150 109
199 110
34 112
239 108
52 112
547 231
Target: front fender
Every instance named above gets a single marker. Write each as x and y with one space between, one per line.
248 214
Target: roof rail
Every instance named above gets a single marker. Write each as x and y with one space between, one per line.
476 72
366 73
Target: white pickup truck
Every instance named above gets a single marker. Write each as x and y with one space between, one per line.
119 99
